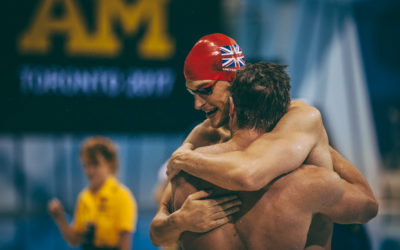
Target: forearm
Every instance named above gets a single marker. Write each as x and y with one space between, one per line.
350 173
125 240
71 237
241 170
227 170
165 228
358 204
353 208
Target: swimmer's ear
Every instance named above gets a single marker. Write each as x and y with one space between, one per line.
231 106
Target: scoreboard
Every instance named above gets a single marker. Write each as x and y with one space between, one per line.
100 65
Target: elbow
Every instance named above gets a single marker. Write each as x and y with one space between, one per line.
154 237
158 236
72 238
154 240
73 242
370 211
248 181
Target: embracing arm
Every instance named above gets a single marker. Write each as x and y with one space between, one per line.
271 155
358 204
247 170
165 228
197 214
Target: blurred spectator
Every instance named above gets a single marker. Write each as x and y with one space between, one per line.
106 212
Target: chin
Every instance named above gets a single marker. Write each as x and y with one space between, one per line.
94 184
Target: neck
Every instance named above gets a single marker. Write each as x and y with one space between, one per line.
95 188
225 133
226 128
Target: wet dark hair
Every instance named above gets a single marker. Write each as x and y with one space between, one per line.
261 94
97 145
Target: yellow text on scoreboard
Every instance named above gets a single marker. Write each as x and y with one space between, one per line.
155 43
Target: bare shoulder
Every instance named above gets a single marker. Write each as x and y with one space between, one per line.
299 108
299 117
300 121
204 134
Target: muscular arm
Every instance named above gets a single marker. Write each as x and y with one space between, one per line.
273 154
165 228
358 204
197 214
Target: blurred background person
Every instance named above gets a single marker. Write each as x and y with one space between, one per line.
106 211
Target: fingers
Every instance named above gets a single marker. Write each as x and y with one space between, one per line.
219 222
187 146
225 213
198 195
224 199
56 210
54 200
53 204
210 225
204 214
216 220
226 209
220 203
230 204
55 207
231 211
171 173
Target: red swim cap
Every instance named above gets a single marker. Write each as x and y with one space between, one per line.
215 56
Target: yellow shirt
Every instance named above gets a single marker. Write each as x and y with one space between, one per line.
112 209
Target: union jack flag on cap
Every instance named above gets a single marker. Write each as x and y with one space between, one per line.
232 57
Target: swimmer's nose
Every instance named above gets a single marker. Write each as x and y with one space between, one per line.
198 102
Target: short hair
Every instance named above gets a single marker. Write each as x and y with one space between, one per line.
94 146
261 94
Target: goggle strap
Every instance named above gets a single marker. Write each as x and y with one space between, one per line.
210 84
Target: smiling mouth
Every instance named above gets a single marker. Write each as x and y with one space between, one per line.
209 113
